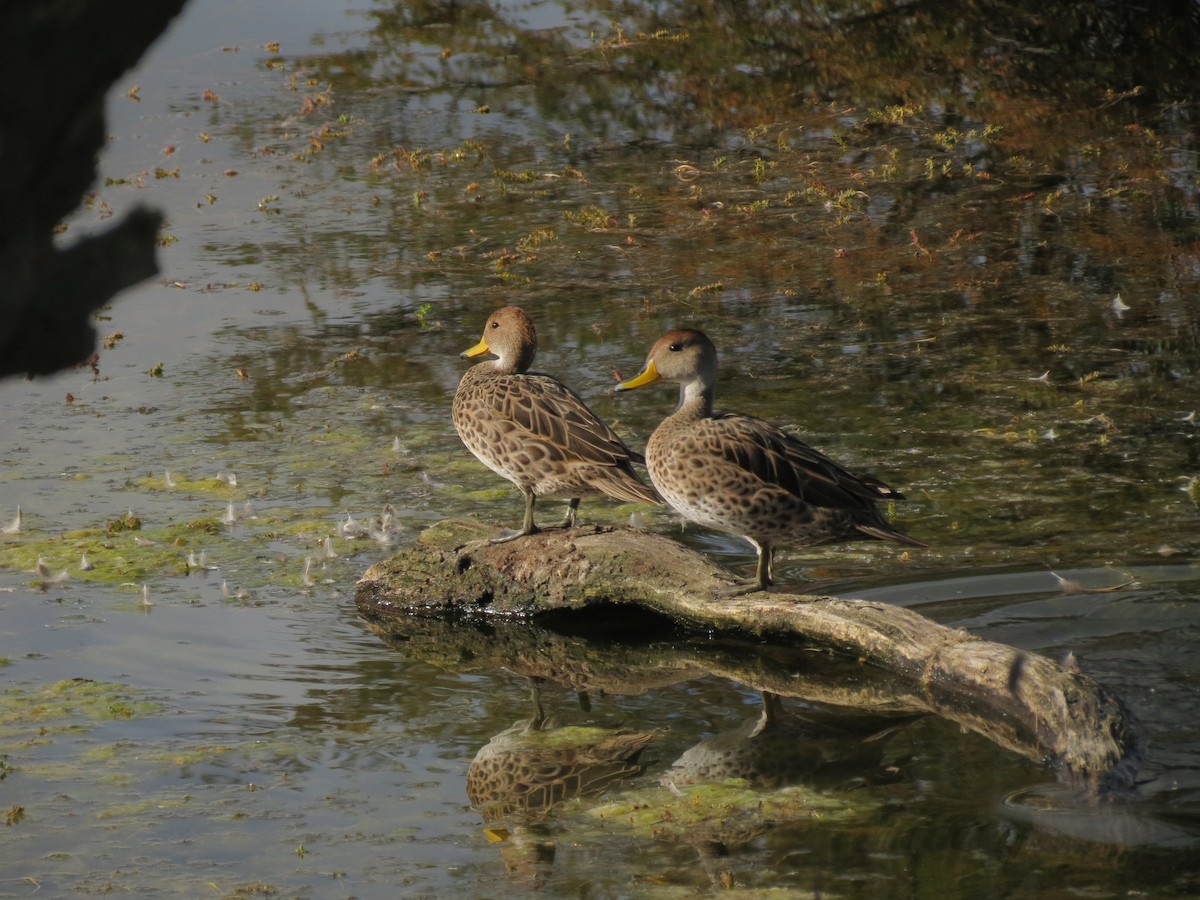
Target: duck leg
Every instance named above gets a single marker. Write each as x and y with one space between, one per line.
527 527
766 556
569 521
762 574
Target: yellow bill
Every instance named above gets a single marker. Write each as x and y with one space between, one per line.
646 376
478 350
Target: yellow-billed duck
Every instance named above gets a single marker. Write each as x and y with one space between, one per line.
534 431
741 474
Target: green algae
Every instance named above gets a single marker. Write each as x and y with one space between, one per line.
72 699
188 756
120 555
186 486
294 492
730 807
144 808
111 557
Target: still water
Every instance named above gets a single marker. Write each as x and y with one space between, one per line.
982 293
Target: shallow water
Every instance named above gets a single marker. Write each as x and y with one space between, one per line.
1018 352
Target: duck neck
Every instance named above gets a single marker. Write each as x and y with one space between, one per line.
695 400
510 364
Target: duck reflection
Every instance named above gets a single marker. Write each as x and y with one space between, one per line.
523 772
778 748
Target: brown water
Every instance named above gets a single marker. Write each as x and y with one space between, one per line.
980 290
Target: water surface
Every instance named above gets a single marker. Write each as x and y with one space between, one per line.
981 291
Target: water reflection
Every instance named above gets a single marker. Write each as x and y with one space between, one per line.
644 654
779 748
652 68
1064 813
526 770
732 795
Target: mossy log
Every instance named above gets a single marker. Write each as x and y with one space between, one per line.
1020 700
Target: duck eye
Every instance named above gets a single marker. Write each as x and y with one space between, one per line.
495 324
675 348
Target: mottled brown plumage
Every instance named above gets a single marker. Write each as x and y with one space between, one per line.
741 474
534 431
527 770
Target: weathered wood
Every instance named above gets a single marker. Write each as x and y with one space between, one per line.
1021 700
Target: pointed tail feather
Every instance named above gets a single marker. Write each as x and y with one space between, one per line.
886 533
626 486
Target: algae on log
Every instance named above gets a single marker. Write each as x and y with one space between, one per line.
1020 700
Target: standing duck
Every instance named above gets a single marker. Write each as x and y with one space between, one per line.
534 431
743 475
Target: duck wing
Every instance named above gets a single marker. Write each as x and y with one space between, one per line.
785 461
555 414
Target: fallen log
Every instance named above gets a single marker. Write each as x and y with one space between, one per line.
1020 700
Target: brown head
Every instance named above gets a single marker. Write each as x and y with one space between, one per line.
509 335
685 357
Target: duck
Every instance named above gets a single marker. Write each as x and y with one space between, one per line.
743 475
534 431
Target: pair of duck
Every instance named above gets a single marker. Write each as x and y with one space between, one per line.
731 472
